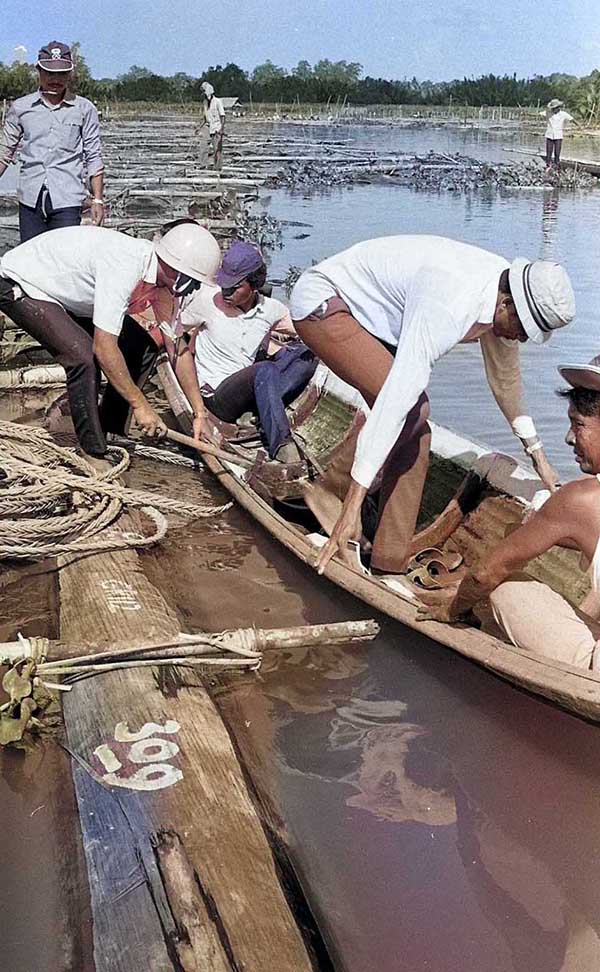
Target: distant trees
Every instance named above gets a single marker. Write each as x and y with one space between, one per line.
324 82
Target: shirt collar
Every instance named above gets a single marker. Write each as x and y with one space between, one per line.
257 307
151 271
489 298
67 100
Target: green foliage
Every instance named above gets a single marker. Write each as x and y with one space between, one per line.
326 81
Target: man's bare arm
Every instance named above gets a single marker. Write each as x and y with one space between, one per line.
553 525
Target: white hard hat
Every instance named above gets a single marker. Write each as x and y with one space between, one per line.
543 297
192 250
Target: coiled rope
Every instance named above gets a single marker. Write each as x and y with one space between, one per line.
53 502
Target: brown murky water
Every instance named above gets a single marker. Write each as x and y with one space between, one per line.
439 818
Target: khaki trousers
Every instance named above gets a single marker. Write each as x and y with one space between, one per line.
537 619
364 362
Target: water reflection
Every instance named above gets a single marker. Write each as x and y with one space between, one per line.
382 740
550 222
423 783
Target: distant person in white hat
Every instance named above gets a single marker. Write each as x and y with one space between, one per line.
75 290
532 615
380 315
556 118
57 135
214 119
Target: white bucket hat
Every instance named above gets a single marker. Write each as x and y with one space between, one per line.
582 375
543 297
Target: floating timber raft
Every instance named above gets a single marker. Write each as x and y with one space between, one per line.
181 874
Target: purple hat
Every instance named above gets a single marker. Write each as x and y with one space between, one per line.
239 262
55 57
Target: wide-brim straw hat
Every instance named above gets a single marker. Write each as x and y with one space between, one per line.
582 375
555 103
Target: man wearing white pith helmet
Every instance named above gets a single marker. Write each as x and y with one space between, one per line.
74 290
380 315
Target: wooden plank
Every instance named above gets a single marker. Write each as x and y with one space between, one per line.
178 774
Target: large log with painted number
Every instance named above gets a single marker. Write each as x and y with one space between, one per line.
181 873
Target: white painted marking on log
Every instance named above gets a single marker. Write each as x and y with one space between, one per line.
154 776
123 733
120 596
153 750
107 758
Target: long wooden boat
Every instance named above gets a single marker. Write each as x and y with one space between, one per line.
472 498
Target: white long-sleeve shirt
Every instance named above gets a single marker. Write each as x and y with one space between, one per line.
555 127
423 294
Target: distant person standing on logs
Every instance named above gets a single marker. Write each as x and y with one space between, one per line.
556 119
214 119
57 134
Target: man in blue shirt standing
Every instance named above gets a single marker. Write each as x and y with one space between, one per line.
57 134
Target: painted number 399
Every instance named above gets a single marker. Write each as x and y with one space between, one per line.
145 748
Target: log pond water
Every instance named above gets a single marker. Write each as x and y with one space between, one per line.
438 818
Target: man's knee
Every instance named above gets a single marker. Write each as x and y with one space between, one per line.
537 619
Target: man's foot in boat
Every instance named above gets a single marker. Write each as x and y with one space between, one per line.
288 452
325 506
99 465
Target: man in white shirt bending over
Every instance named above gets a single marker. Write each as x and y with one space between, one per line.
380 315
74 290
555 128
239 368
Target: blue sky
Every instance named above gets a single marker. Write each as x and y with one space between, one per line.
390 38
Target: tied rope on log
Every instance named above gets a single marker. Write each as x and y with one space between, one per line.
53 502
28 681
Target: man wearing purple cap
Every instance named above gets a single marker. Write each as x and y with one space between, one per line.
532 615
57 134
239 368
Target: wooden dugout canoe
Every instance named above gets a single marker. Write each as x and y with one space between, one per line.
472 497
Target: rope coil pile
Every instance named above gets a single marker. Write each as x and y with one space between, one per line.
53 502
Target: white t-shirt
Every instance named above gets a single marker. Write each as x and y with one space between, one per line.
228 339
419 293
90 270
556 124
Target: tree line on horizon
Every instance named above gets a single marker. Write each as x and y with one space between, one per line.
339 82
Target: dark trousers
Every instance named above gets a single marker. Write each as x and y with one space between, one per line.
553 147
43 217
70 341
266 387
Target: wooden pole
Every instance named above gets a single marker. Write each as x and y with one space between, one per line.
208 449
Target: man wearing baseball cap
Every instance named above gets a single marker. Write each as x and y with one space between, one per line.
239 368
380 315
77 290
57 135
532 615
